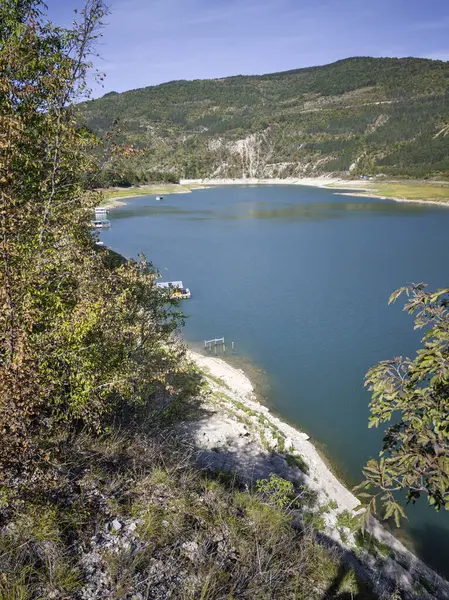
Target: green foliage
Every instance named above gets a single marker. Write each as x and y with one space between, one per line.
363 116
294 460
82 333
369 543
415 393
347 519
315 520
278 491
128 177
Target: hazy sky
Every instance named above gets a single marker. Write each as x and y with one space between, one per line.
152 41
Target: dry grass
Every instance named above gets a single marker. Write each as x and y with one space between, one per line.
197 536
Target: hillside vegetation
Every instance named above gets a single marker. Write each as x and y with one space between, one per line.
359 116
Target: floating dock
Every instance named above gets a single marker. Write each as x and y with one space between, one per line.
101 212
101 223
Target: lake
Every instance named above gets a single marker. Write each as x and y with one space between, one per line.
299 279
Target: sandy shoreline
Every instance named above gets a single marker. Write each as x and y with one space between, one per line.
333 183
307 181
241 435
238 382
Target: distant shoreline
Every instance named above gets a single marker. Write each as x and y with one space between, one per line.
332 183
338 185
406 200
307 181
115 196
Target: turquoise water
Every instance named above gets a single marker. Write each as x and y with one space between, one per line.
299 279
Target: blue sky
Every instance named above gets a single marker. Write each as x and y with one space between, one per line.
147 42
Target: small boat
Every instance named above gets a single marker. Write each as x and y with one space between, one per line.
177 289
159 198
101 223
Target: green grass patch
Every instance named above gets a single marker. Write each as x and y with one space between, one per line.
244 408
370 544
295 460
402 190
347 519
216 380
280 440
150 190
315 520
413 191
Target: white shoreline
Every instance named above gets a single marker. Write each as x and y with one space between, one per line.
308 181
329 486
228 427
332 183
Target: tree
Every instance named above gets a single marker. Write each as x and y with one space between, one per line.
415 393
79 333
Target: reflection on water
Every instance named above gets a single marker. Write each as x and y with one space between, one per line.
431 543
147 210
266 210
321 210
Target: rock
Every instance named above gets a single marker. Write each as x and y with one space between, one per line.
190 549
116 525
270 440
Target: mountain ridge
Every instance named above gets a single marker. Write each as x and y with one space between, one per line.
356 116
273 74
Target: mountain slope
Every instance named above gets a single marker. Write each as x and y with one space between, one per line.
359 115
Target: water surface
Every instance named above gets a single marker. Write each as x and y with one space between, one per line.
299 279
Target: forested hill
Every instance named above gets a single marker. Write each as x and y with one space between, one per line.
363 116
